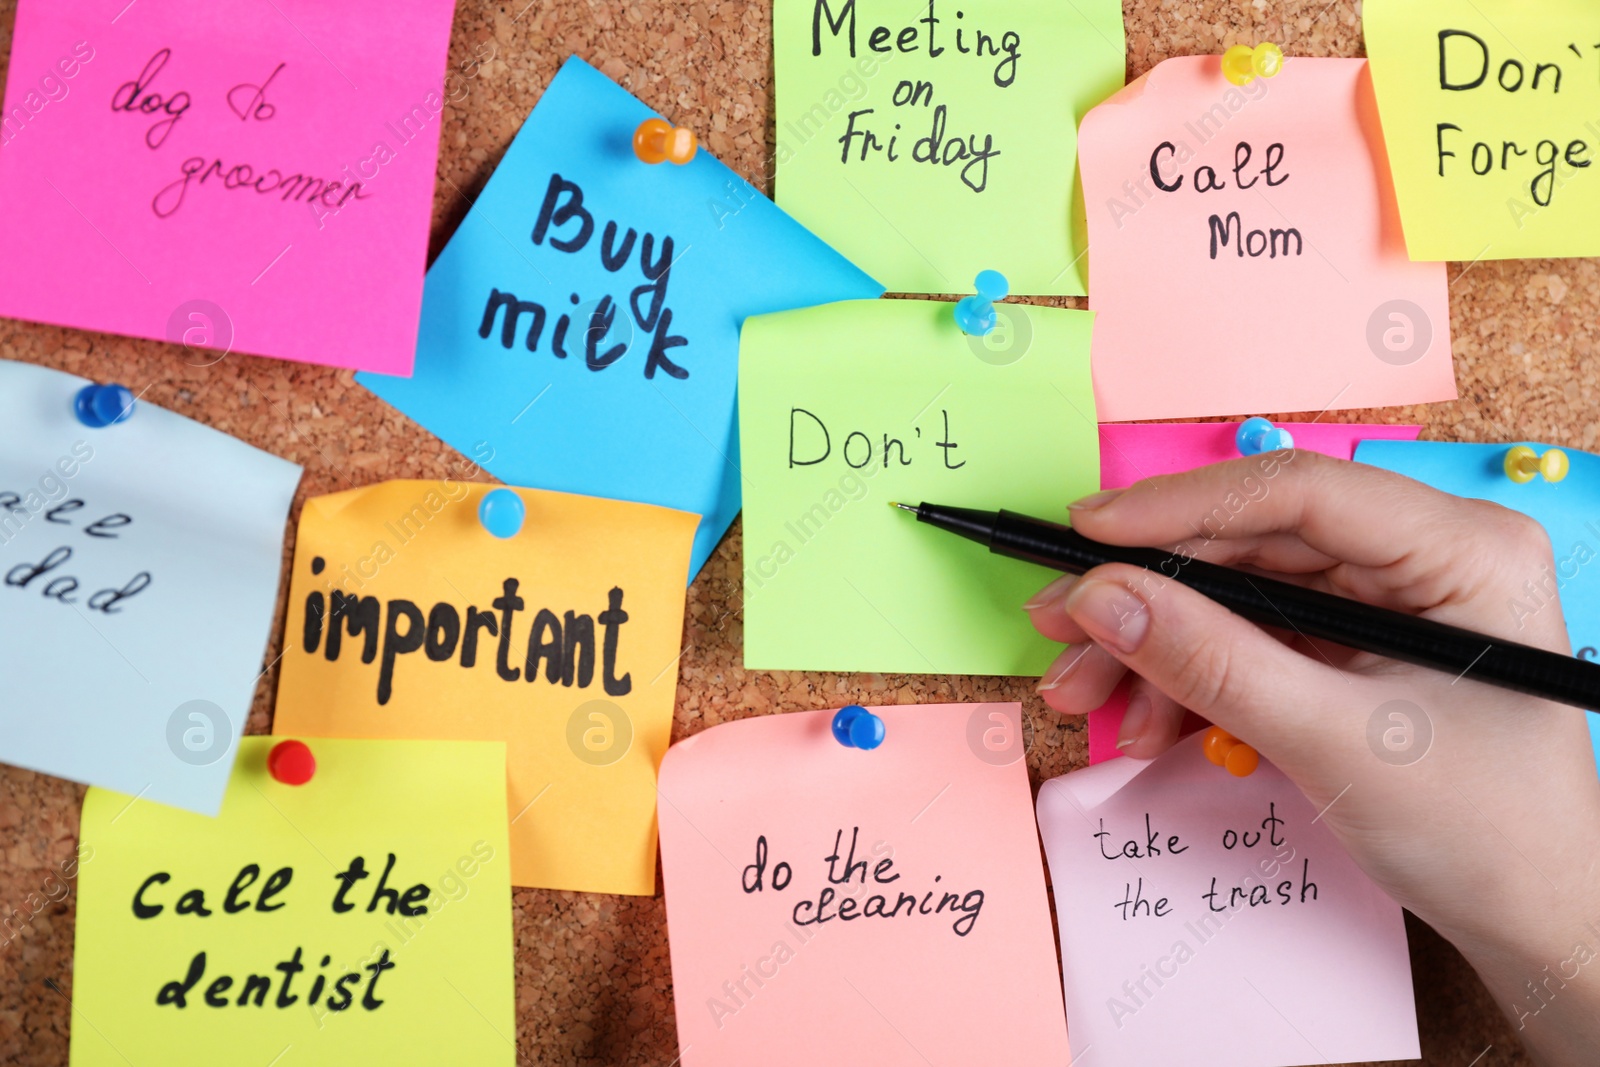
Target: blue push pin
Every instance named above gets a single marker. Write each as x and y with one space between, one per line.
856 727
99 406
975 314
501 513
1257 435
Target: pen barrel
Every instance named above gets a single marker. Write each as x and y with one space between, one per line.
1313 613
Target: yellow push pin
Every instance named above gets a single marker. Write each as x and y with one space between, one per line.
659 141
1242 64
1523 465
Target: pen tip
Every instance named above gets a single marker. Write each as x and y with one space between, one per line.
902 507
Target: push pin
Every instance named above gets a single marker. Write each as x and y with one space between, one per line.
975 314
99 406
1242 64
1523 465
659 141
856 727
1227 751
1257 435
501 513
291 762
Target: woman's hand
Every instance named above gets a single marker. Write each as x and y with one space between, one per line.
1487 825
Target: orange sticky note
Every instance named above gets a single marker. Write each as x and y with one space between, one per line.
827 904
407 619
1245 250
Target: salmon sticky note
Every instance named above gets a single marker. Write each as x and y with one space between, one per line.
1247 251
1211 920
139 569
407 619
846 407
849 906
248 178
366 913
1491 113
928 144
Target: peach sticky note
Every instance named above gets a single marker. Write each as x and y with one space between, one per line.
832 905
1132 452
1245 249
408 619
1208 920
362 916
231 176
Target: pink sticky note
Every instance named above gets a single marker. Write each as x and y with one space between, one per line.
832 905
1131 452
238 176
1211 920
1246 249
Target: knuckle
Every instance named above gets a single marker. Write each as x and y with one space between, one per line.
1206 677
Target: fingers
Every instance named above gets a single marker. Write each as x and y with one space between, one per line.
1201 656
1150 725
1081 679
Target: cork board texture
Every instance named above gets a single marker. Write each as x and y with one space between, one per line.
593 984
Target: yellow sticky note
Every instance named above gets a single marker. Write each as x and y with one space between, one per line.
1491 114
408 619
363 917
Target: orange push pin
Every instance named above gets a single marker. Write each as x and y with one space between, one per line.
1523 465
1242 64
1227 751
291 762
659 141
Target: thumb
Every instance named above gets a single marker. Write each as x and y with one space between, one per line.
1209 660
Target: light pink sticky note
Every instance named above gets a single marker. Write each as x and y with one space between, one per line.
944 952
233 176
1227 926
1283 285
1131 452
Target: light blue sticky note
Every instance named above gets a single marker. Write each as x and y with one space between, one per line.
1569 510
580 332
140 567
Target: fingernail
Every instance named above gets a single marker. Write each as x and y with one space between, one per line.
1095 500
1054 679
1133 720
1051 593
1110 614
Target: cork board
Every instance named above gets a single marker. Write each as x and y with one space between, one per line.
592 973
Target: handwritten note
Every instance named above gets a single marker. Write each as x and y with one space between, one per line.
928 144
407 619
847 407
1491 115
1567 510
1131 452
580 330
1207 919
366 913
256 180
1219 214
823 900
140 567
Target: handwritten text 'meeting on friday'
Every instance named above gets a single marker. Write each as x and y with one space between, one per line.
864 139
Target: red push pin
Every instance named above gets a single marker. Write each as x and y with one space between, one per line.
659 141
291 762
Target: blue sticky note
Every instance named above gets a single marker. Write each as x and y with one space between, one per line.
1569 511
580 332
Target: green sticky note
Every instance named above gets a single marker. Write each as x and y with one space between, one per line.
1491 115
847 407
930 142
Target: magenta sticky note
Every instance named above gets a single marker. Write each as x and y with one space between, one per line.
231 176
1130 452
